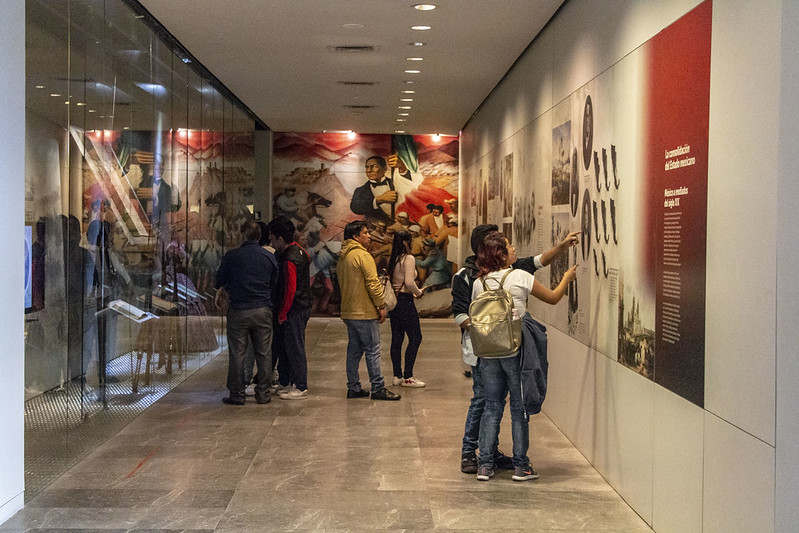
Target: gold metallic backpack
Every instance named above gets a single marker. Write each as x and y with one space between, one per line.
494 330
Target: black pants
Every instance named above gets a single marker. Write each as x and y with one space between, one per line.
289 347
254 325
404 320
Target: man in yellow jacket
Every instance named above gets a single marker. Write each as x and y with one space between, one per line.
362 310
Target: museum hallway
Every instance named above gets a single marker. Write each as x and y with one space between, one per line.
191 463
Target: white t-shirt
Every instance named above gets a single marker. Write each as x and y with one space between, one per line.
519 283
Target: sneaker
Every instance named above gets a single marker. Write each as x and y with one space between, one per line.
397 381
250 390
233 401
278 389
523 473
357 393
385 394
502 461
293 394
412 382
469 464
485 472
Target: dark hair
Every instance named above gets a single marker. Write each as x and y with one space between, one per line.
251 231
430 206
380 160
281 227
439 207
479 234
492 255
353 229
400 246
264 233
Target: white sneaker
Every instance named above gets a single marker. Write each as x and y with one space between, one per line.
293 394
250 390
397 381
412 382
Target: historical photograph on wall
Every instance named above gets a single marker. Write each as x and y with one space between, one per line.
507 185
321 181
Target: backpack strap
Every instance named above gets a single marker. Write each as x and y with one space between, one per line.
501 282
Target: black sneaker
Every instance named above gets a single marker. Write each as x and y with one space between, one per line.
523 473
357 393
502 461
385 394
485 472
469 464
233 401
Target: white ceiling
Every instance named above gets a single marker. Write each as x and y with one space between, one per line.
276 56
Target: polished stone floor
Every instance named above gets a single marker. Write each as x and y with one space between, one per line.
191 463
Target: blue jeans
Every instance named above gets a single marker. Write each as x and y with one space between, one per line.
364 339
471 432
500 376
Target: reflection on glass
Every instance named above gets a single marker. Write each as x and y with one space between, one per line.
139 173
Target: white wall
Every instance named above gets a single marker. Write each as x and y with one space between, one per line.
12 216
681 467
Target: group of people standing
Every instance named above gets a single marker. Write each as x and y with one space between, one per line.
266 282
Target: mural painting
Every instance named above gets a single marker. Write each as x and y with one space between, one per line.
321 181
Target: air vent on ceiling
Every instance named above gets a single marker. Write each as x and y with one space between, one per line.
352 49
359 83
360 106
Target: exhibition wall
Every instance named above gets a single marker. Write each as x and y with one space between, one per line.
12 154
672 398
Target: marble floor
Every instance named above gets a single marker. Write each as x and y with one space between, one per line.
191 463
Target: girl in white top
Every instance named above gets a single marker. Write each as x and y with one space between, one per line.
500 376
404 317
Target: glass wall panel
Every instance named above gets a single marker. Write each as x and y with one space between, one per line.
138 175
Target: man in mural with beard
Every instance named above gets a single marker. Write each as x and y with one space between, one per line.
377 198
461 298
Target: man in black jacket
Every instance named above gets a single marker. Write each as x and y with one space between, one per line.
461 298
293 309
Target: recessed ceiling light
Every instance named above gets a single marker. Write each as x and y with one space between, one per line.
408 81
55 94
406 99
40 86
126 127
401 120
412 71
421 27
408 92
414 59
425 7
81 103
352 26
404 107
67 102
92 111
399 131
417 44
403 114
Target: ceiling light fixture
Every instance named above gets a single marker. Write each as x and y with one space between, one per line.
352 26
406 99
414 59
55 94
417 44
401 120
409 82
421 27
403 114
404 107
399 131
437 137
424 7
413 71
409 92
40 86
